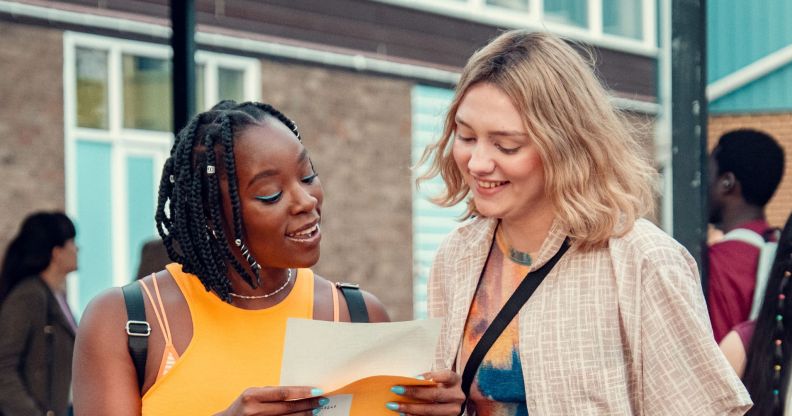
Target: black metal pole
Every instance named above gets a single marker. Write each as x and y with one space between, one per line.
183 44
689 127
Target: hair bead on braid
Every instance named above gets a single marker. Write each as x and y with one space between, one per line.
189 212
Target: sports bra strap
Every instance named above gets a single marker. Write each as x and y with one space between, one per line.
336 314
159 309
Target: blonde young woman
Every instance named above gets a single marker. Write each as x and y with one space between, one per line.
618 326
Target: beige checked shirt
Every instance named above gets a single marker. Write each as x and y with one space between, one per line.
616 331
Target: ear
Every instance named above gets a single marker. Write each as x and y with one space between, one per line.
727 182
57 252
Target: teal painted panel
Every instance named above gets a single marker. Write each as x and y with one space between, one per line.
430 223
140 207
768 94
739 33
94 216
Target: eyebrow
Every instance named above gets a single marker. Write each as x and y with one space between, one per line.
274 172
496 133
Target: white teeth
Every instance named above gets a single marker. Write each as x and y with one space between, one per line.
304 233
488 184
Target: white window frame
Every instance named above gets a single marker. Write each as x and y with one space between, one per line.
129 142
479 11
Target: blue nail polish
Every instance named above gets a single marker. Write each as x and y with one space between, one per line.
398 389
419 377
316 411
316 392
323 401
392 406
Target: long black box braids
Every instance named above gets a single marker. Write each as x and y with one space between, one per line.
189 213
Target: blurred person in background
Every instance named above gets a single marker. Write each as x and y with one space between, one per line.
745 168
36 326
153 258
760 350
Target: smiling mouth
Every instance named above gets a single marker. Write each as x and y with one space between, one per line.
305 234
490 184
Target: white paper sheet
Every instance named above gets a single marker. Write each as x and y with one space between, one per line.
330 355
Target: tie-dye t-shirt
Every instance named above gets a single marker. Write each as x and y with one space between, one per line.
498 388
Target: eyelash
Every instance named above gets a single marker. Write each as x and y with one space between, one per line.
465 139
504 150
271 199
309 179
507 151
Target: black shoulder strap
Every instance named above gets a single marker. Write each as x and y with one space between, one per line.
137 328
524 291
355 302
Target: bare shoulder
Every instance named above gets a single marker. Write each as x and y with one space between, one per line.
376 309
100 353
105 310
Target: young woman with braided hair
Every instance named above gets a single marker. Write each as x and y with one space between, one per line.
239 211
760 350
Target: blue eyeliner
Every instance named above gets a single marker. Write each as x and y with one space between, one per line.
270 198
309 178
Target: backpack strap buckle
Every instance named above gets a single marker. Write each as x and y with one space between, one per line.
138 328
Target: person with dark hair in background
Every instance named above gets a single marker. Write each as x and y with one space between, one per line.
153 258
239 213
36 325
745 168
761 350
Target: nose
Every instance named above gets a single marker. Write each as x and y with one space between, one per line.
304 201
480 163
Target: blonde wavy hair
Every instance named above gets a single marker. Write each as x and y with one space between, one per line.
596 173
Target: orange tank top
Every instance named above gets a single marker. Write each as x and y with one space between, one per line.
231 349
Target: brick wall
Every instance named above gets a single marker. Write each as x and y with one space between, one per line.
31 124
780 127
357 129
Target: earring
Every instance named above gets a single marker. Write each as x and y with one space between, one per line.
249 258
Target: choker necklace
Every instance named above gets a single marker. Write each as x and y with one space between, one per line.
290 275
515 255
520 257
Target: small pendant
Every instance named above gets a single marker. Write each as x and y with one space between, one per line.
520 257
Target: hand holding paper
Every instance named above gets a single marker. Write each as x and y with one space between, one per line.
357 364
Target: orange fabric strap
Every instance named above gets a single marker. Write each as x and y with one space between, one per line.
335 303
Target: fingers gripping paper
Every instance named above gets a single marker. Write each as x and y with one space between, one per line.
357 364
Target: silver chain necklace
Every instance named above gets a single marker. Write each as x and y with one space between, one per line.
266 295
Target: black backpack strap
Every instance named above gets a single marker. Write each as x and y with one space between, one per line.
355 302
521 295
137 328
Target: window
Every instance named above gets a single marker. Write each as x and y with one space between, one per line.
147 91
91 71
622 18
118 123
569 12
625 25
511 4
